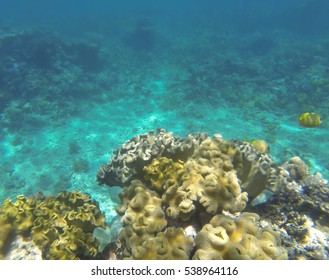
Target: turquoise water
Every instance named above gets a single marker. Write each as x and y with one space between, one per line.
73 89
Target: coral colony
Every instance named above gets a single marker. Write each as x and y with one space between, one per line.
187 198
236 168
182 198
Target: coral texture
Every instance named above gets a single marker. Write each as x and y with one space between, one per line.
201 197
129 160
162 169
171 244
208 183
257 171
174 192
300 212
238 238
142 209
61 226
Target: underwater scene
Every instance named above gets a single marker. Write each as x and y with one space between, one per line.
164 130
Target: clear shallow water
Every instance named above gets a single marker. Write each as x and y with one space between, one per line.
234 68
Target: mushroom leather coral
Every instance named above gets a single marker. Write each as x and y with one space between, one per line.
207 180
129 160
162 169
169 192
142 209
237 239
172 244
62 226
257 171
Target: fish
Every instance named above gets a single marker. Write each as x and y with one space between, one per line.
309 119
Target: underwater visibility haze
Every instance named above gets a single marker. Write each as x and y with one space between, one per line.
198 125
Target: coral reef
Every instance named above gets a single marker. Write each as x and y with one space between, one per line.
257 171
162 169
207 183
169 192
238 238
300 213
129 160
141 209
199 206
211 83
61 226
182 198
172 244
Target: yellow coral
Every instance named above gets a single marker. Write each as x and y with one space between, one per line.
162 169
144 210
238 238
73 243
9 210
209 178
172 244
143 221
61 251
190 193
46 219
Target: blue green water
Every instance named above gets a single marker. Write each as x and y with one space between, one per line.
78 79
